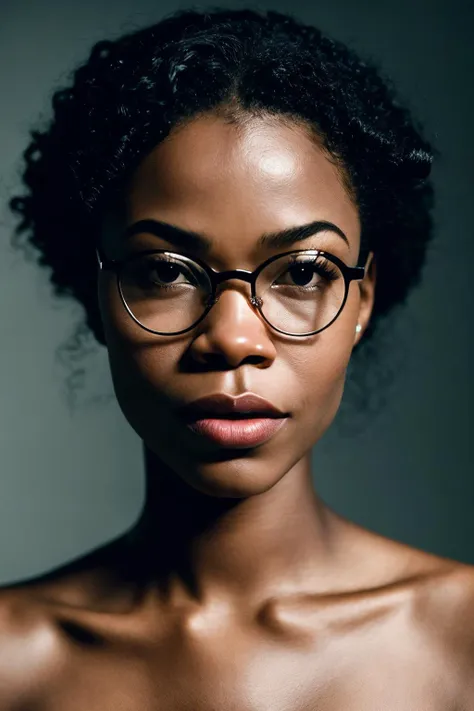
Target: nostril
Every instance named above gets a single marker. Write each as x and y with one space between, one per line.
254 359
219 361
216 361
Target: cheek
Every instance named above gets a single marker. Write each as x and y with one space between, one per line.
321 367
139 368
143 375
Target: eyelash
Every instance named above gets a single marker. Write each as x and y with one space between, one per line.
329 272
319 265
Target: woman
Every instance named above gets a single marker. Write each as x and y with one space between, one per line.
236 200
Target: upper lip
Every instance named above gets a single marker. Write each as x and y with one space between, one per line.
223 404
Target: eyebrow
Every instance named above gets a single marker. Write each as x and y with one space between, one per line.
191 240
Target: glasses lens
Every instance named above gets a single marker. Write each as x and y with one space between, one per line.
164 292
301 292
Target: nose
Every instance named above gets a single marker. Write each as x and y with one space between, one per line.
233 334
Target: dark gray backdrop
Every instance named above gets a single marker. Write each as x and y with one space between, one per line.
73 480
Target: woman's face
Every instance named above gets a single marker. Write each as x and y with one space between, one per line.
233 184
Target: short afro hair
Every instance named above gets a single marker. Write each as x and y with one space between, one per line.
132 91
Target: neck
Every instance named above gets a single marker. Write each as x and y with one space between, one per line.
200 546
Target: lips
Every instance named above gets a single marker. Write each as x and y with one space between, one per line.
239 422
228 407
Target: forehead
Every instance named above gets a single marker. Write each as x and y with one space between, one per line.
232 180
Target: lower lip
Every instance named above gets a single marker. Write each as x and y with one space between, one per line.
238 433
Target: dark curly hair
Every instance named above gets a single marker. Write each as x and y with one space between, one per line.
133 90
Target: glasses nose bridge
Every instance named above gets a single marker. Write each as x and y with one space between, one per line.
241 274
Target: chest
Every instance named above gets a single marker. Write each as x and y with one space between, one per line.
240 669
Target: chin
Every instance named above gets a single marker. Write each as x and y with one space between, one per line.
227 473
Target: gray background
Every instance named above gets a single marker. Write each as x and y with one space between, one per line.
72 480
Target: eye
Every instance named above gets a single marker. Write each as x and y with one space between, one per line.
162 272
308 273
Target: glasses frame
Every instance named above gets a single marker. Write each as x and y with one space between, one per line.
218 277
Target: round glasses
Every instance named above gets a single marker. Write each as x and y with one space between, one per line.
297 293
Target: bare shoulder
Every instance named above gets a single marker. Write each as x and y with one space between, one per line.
31 645
446 605
26 647
443 606
443 611
31 649
440 592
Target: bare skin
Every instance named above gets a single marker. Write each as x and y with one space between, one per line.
238 588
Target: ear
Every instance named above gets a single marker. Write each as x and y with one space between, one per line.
367 294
